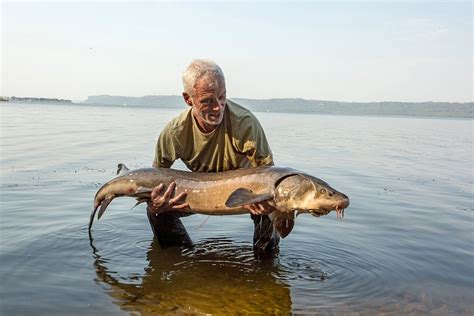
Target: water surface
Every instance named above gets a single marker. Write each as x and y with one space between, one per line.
405 245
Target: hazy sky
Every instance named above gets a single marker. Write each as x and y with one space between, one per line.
346 51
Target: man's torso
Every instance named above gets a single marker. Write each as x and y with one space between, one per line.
238 142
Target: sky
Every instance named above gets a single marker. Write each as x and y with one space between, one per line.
408 51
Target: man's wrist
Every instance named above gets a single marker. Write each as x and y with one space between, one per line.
152 210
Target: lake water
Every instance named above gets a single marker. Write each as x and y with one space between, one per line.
404 246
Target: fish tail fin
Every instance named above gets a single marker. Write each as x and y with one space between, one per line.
103 206
91 219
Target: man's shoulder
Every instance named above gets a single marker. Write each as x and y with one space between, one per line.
179 122
240 113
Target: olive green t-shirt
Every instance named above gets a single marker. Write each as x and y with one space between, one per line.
238 142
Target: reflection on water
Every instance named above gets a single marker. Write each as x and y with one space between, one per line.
216 276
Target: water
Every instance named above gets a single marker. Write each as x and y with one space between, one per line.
405 245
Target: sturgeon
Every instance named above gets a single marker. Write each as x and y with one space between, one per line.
289 192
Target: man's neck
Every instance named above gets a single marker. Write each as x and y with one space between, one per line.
203 126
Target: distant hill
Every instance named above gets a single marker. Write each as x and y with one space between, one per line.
433 109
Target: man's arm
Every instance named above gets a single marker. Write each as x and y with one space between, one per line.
253 143
165 155
166 151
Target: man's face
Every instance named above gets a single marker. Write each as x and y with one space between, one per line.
208 102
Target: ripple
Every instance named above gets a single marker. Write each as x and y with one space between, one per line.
106 230
22 186
340 274
72 231
299 268
143 244
220 253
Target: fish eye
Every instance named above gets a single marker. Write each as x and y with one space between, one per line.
322 191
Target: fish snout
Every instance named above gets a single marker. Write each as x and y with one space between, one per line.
341 205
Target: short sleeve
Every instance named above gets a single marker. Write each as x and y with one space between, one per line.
252 142
166 149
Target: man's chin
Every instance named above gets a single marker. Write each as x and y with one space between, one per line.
214 122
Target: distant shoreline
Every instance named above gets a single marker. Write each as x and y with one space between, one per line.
288 105
34 100
297 105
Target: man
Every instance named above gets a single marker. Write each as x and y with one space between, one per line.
214 134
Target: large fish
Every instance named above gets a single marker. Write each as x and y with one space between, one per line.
287 190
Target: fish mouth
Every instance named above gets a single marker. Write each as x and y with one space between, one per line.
342 204
319 212
340 207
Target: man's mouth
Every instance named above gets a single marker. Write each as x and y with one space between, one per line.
213 117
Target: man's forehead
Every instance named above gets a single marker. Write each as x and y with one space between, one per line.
210 79
209 84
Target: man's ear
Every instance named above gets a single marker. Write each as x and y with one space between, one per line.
187 99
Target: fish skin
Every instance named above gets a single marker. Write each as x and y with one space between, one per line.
226 193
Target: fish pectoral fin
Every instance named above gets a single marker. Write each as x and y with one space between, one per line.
283 222
143 190
140 201
242 196
103 206
121 169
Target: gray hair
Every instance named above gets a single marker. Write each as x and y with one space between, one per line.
198 69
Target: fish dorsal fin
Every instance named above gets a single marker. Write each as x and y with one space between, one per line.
283 222
121 169
242 196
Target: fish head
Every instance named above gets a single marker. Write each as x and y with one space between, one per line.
307 194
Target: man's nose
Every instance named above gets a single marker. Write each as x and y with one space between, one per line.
218 105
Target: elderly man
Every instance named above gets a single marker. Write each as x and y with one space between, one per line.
214 134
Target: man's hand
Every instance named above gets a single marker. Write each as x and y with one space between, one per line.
261 208
164 202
